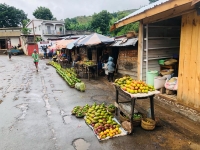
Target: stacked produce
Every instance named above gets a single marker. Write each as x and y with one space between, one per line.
80 111
102 121
88 63
68 75
133 86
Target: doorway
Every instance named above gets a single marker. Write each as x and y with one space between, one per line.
2 44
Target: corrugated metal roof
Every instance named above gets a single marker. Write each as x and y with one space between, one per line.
129 42
143 9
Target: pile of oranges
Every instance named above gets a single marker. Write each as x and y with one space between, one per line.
109 133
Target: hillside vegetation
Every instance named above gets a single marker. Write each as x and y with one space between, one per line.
101 23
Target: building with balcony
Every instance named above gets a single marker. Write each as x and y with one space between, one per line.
46 28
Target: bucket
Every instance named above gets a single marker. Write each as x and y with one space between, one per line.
150 77
159 82
161 62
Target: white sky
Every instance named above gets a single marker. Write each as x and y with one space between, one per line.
62 9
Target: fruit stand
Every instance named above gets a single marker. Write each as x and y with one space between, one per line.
100 119
85 67
124 89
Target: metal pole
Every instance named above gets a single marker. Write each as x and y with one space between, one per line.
33 34
147 47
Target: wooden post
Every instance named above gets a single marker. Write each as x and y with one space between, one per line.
147 47
34 34
140 52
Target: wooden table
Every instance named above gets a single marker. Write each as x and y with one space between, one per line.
88 70
131 99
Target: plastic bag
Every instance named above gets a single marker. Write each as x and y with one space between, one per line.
172 84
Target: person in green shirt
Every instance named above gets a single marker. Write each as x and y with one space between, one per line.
35 57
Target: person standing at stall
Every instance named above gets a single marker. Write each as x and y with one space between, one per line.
35 57
111 69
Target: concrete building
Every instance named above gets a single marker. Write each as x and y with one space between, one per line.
9 37
46 28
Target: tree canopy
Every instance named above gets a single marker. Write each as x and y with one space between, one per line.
96 23
43 13
101 21
11 16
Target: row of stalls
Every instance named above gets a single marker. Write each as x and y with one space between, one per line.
170 30
92 47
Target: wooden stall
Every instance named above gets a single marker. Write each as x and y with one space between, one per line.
167 29
127 56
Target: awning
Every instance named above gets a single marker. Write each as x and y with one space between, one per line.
63 43
95 39
124 42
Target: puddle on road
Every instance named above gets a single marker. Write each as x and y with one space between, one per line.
81 144
23 108
48 112
1 101
57 91
66 119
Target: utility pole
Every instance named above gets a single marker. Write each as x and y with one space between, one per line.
33 34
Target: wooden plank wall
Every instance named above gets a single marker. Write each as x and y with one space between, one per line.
127 61
189 64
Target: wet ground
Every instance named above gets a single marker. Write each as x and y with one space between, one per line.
35 114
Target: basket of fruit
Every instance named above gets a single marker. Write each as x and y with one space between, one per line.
111 108
137 117
148 124
80 114
76 109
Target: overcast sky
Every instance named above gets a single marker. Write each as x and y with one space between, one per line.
62 9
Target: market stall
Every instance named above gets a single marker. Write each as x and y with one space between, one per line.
86 68
131 90
100 119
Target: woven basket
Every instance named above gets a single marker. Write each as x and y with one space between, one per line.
123 118
150 125
163 72
131 34
170 61
136 122
111 110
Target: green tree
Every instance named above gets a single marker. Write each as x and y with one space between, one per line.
11 16
151 1
24 29
43 13
101 21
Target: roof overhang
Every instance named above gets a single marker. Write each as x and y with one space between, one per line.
166 10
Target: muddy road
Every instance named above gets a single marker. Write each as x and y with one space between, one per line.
35 113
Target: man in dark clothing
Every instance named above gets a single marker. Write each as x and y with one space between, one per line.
105 57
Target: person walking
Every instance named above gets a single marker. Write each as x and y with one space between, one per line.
9 54
111 69
35 57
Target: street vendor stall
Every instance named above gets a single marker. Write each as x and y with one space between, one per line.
132 90
86 69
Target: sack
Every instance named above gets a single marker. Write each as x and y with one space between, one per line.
105 66
172 84
127 126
